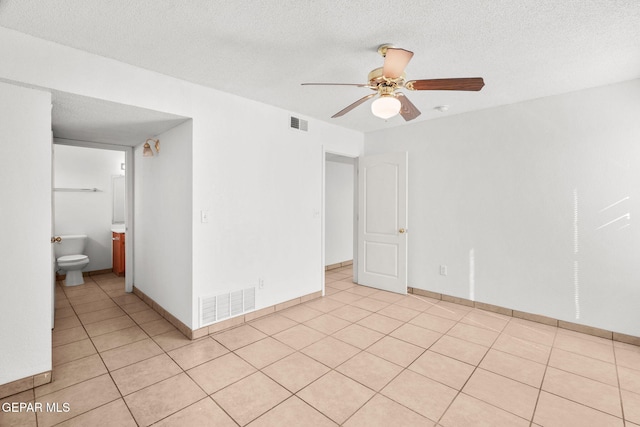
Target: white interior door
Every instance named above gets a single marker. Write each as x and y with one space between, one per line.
53 233
382 221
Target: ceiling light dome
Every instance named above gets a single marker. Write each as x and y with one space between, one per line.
386 106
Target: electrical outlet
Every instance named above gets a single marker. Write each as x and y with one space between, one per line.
443 270
260 283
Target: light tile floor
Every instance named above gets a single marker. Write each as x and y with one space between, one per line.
356 357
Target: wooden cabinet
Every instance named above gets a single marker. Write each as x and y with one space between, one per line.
118 253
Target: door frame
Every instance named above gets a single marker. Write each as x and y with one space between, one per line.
129 188
324 213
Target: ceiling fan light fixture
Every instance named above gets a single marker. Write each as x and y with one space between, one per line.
386 106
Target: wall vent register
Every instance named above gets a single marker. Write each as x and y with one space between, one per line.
226 305
300 124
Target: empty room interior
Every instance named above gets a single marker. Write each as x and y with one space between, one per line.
406 213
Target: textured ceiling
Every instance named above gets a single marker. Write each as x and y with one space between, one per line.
263 50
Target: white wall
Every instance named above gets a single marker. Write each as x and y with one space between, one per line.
261 180
162 218
338 212
25 215
82 212
519 189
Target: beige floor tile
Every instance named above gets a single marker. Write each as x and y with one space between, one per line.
369 370
62 303
273 324
18 419
350 313
339 284
171 340
114 413
434 323
523 348
327 324
358 336
94 306
73 351
583 390
629 379
628 357
423 395
631 404
239 337
145 373
104 314
585 366
204 413
416 335
197 353
89 297
485 319
531 331
462 350
219 373
598 350
144 316
416 302
130 353
390 297
136 307
157 327
370 304
66 336
70 321
449 310
63 313
443 369
473 334
514 367
296 371
264 352
109 325
383 412
300 313
73 373
330 351
361 290
466 411
324 305
156 402
299 336
382 324
250 397
336 396
118 338
81 398
397 351
554 411
399 312
345 297
505 393
292 412
126 299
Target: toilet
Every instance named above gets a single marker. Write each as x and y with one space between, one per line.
70 258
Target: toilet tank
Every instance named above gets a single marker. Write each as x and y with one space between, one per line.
71 245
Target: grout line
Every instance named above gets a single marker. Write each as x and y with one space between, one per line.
544 374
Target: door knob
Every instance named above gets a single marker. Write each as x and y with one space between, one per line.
56 239
402 231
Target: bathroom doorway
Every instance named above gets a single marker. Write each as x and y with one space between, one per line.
92 196
340 219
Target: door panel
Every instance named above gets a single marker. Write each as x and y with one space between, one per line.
382 224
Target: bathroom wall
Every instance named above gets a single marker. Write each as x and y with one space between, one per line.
87 213
339 177
25 215
532 206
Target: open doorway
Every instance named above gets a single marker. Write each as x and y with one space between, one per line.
340 230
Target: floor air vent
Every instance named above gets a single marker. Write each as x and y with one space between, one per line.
297 123
224 306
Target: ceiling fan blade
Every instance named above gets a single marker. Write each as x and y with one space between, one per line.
334 84
470 83
352 106
395 62
408 111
